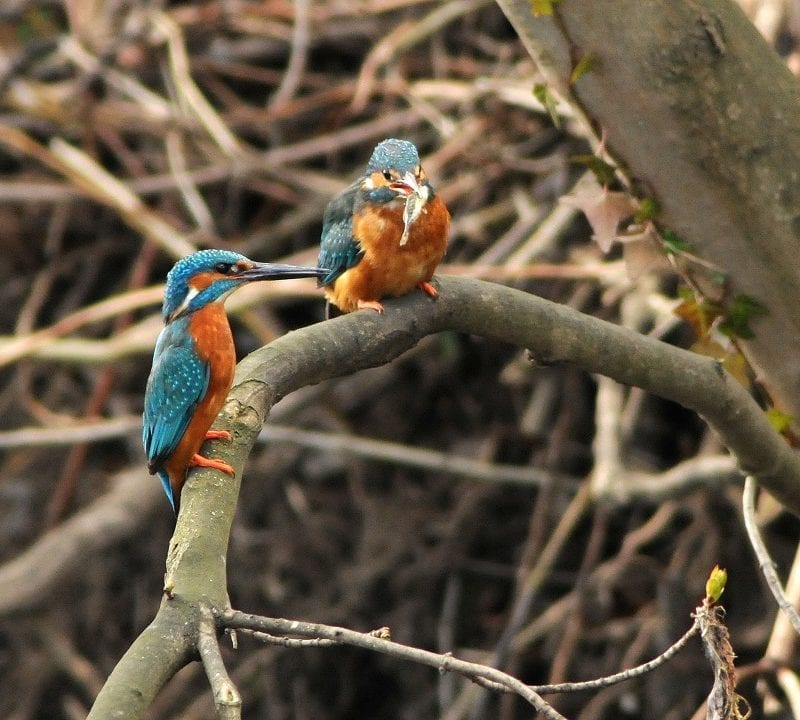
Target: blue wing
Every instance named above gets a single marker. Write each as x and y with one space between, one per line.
178 382
338 249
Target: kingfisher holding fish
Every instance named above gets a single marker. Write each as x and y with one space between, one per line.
385 234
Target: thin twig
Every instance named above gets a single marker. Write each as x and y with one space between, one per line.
370 641
87 174
81 432
15 348
298 55
283 641
404 37
192 198
624 675
188 90
765 562
227 699
396 453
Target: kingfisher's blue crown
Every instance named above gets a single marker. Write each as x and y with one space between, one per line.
202 261
393 154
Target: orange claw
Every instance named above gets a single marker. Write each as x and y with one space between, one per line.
370 305
200 461
218 435
428 289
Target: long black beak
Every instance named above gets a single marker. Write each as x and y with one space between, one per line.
277 271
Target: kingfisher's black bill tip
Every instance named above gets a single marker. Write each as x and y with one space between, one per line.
277 271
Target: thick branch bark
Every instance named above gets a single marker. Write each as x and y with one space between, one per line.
553 334
702 116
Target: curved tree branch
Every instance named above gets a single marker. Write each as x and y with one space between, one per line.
195 579
553 334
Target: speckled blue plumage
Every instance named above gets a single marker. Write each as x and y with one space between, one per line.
339 249
179 378
194 359
184 269
392 153
177 383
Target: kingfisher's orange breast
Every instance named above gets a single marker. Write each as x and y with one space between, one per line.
389 268
213 342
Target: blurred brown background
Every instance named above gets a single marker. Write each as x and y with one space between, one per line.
231 124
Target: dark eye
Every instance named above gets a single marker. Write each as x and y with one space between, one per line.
223 268
387 176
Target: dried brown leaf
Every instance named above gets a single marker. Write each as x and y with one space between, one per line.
603 208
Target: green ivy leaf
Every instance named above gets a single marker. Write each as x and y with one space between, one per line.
544 96
603 171
719 278
674 244
740 313
583 66
648 209
780 420
542 7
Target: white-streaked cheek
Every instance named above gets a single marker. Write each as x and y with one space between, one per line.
191 294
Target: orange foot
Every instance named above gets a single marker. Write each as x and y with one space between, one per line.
218 435
200 461
370 305
428 289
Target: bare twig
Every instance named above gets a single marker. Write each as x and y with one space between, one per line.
138 338
191 196
227 699
100 184
628 674
723 702
398 454
283 641
188 90
376 643
403 37
783 639
762 554
30 579
297 57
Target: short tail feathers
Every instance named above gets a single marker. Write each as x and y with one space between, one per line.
165 483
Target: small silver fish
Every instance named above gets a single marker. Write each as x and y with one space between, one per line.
414 204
